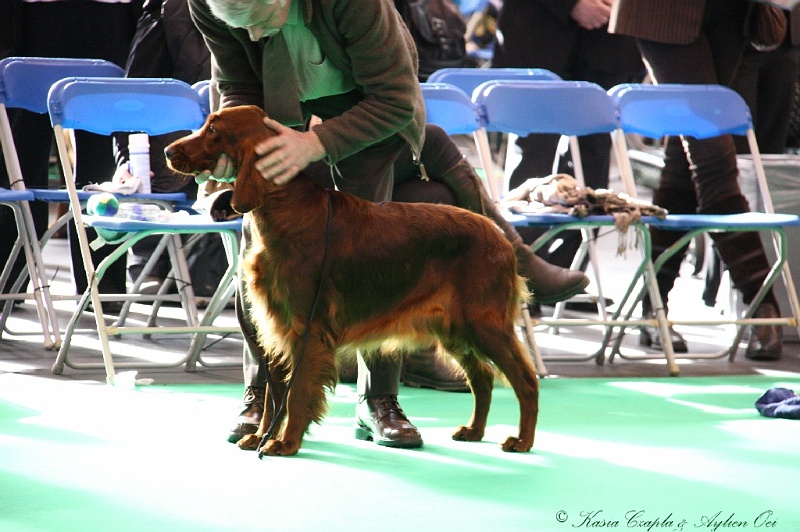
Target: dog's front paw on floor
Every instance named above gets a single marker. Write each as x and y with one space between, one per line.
249 442
515 445
467 434
278 448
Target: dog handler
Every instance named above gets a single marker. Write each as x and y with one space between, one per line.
353 64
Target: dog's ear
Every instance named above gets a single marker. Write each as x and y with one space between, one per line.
250 187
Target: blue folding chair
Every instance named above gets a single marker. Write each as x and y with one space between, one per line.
570 108
468 79
705 111
154 106
24 82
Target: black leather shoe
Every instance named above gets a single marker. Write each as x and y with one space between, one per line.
380 419
587 306
426 369
651 337
765 340
249 418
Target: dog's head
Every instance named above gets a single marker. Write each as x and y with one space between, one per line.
234 131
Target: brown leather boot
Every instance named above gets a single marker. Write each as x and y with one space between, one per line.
765 340
547 282
250 417
427 369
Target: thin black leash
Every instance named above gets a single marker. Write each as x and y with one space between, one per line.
276 414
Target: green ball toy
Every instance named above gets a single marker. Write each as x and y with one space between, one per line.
102 204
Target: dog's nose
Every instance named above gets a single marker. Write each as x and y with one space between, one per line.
168 153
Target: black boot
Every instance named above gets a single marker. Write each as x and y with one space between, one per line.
249 418
651 336
547 282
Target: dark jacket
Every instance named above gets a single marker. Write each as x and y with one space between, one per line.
542 34
166 45
664 21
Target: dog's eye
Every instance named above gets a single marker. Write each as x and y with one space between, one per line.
211 128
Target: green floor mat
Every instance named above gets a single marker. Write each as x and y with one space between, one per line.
647 454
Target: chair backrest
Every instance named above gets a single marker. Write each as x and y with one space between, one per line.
203 89
25 81
450 108
468 79
571 108
109 105
700 111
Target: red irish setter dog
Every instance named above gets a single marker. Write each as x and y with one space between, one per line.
386 277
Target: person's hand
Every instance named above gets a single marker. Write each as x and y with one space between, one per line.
287 153
591 14
224 171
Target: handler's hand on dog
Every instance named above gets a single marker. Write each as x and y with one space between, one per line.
287 153
223 171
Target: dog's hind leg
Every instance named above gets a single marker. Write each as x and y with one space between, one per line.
306 401
506 351
480 377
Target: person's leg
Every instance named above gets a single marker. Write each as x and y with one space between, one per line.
444 163
102 31
253 363
714 58
425 368
370 175
94 163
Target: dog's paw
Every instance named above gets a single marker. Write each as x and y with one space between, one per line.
467 434
249 442
279 448
515 445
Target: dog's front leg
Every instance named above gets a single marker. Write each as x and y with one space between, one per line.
306 399
275 390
